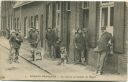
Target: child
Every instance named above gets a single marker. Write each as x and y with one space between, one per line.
63 54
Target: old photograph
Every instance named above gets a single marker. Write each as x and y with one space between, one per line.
63 40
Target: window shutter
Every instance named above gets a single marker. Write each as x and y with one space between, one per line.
119 27
92 24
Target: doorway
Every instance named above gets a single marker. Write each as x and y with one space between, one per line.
85 18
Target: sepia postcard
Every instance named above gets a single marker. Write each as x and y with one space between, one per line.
63 40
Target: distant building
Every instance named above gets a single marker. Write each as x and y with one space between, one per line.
68 16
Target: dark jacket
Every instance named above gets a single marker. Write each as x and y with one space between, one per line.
30 35
103 43
15 41
51 37
79 42
34 39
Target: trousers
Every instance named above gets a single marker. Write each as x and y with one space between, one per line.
102 56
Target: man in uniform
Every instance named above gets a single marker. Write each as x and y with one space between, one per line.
15 43
103 48
51 40
79 45
34 42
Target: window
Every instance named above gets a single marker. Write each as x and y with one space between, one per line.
68 7
58 6
18 23
49 8
85 5
15 23
36 22
104 19
107 16
11 22
85 18
25 20
111 16
31 21
58 18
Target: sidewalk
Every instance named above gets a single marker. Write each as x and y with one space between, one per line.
67 70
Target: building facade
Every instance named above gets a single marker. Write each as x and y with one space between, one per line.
66 17
7 15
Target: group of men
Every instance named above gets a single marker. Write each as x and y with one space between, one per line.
53 43
81 46
103 48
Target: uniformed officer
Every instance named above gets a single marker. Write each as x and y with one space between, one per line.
15 43
103 44
34 42
79 40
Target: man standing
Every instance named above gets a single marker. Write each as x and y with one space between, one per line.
55 38
34 42
103 48
15 43
79 45
8 33
30 34
51 40
85 46
11 42
19 40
